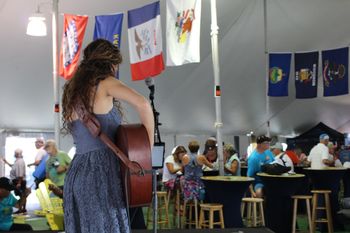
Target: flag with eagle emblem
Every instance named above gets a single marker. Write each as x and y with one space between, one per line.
145 42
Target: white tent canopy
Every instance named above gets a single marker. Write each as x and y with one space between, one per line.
184 95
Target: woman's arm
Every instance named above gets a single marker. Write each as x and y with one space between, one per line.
233 168
201 159
120 91
171 168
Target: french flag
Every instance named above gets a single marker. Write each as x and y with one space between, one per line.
145 42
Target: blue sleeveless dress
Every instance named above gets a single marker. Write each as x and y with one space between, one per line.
93 196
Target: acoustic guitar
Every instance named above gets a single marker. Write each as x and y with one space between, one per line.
132 140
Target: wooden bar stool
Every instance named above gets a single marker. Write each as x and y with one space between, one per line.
252 218
326 208
162 208
211 208
307 199
177 206
193 205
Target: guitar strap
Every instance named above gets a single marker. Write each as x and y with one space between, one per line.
93 125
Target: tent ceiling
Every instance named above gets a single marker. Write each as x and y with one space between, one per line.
184 95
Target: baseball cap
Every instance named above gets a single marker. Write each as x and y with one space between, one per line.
262 138
6 183
277 145
324 136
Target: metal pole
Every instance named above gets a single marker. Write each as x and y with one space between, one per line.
215 55
266 71
55 72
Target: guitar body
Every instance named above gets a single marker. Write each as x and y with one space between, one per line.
132 140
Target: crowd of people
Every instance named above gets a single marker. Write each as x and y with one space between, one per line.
49 163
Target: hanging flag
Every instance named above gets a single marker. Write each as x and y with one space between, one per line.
306 73
279 68
72 40
109 27
335 71
145 42
183 31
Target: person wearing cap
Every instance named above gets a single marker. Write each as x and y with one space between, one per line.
57 164
281 157
319 154
41 156
7 202
261 155
232 163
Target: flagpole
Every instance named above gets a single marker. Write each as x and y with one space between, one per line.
266 71
215 55
55 72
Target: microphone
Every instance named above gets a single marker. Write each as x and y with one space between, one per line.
150 83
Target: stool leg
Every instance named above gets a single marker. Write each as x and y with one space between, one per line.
201 218
222 219
262 213
309 215
196 212
148 215
211 219
183 216
254 214
242 209
166 211
178 208
295 215
329 214
314 205
249 214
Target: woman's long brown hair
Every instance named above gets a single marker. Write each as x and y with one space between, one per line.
100 60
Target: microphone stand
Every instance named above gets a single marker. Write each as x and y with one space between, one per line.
154 171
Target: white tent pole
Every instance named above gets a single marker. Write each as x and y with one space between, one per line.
55 72
216 68
266 71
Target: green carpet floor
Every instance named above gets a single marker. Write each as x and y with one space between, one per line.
40 223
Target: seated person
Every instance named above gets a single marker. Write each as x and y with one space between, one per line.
7 202
172 168
192 163
292 154
261 155
210 152
281 157
232 164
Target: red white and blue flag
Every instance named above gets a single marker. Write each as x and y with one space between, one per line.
145 42
72 40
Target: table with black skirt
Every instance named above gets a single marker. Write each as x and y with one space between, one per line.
278 190
228 191
327 179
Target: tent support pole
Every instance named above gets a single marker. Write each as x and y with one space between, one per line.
55 68
217 89
266 71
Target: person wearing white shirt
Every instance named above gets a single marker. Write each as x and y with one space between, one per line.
281 157
173 167
319 155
